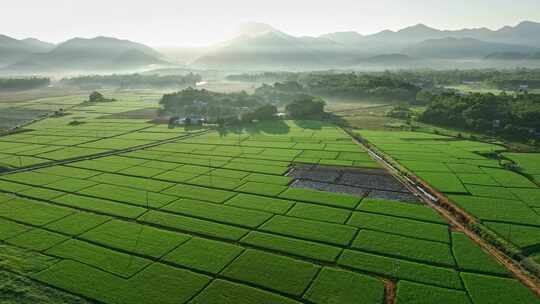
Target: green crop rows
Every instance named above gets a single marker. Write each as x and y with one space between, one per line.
199 216
505 201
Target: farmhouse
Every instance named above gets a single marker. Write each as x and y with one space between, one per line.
191 120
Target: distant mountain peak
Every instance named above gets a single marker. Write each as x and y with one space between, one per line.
102 43
255 29
419 28
38 45
107 38
93 39
6 37
346 34
528 23
32 40
524 26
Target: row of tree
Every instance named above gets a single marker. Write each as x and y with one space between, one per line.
397 84
512 116
501 79
133 81
21 84
280 92
266 77
242 106
208 103
303 107
387 87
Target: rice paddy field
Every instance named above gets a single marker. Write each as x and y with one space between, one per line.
125 211
16 110
471 175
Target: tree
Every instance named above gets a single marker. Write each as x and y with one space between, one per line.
98 97
265 112
133 81
423 97
220 122
305 106
401 112
247 117
289 86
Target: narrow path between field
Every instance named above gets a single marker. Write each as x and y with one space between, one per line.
390 292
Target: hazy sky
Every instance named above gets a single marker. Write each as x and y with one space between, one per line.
201 22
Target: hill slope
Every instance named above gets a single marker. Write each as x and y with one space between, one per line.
263 47
267 49
459 48
12 50
100 53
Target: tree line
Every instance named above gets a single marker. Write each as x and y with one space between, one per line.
237 107
384 86
351 86
360 84
514 116
266 77
21 84
133 81
510 79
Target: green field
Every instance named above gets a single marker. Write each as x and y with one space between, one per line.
139 213
471 175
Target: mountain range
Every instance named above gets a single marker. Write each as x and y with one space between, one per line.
12 49
263 46
78 54
260 46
